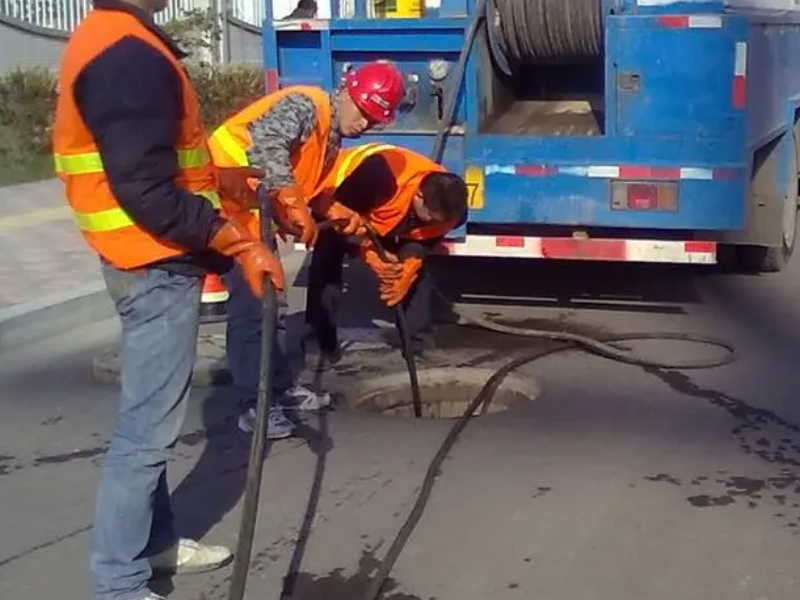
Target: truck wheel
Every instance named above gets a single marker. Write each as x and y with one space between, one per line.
771 259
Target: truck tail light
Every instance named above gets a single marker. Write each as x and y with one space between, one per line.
642 196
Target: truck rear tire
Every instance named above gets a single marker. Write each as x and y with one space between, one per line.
771 259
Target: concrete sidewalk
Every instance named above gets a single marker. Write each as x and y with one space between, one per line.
44 254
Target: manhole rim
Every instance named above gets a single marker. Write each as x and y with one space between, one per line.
526 387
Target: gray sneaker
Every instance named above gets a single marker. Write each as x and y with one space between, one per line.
278 426
305 399
189 556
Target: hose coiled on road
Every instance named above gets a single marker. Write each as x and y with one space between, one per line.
608 348
530 32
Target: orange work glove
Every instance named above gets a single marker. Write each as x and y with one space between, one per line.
384 271
393 291
233 239
293 215
239 185
346 221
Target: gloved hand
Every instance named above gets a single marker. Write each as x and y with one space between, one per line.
239 184
384 271
291 211
393 291
233 239
346 221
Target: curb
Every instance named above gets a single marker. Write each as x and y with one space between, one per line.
210 366
51 315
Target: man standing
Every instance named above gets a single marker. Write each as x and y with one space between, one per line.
294 136
410 202
130 148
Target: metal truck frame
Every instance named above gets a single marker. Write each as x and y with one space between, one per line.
685 148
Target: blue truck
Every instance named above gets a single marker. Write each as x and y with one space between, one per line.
617 130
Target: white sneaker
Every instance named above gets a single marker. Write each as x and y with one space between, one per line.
153 596
188 556
278 426
302 398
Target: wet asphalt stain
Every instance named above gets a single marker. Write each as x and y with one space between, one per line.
190 439
6 464
55 459
664 477
541 491
758 432
43 545
52 420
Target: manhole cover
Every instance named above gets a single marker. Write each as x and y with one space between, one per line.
446 393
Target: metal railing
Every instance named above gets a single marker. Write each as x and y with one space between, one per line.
65 15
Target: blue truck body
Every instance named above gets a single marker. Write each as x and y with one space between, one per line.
694 95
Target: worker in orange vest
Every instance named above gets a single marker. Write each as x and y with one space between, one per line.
286 142
411 202
130 148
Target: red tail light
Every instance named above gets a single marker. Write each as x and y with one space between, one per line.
636 195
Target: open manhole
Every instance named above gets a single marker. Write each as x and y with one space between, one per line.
446 393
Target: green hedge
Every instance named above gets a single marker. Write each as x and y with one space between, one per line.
28 98
27 102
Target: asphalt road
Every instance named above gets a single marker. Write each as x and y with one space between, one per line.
616 482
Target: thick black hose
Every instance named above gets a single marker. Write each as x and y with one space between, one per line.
531 32
405 334
458 79
569 341
269 311
484 399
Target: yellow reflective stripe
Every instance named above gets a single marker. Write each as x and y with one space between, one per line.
78 164
116 218
92 162
362 153
103 220
231 147
193 158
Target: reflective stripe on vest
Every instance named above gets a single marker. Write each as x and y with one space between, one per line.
116 218
362 154
91 162
231 147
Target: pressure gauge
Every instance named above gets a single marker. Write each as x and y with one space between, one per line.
438 69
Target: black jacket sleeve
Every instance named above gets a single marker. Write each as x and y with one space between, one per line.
130 98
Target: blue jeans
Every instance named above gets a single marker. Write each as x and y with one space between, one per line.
244 341
159 312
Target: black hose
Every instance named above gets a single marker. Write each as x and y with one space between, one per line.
531 32
560 36
458 79
269 311
484 399
402 329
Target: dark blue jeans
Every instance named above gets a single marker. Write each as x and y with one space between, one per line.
159 313
244 341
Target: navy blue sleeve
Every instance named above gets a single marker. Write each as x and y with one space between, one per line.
130 98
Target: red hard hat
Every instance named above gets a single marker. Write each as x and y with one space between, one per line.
377 89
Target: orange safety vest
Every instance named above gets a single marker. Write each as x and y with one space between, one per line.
105 225
408 169
231 141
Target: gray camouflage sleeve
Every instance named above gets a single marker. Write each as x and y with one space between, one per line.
278 134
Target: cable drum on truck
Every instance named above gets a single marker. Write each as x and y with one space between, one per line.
530 32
